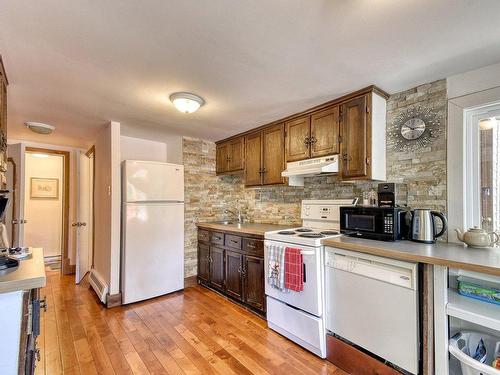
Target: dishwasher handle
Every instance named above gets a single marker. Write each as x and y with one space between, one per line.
378 270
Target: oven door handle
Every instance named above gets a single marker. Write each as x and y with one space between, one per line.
311 252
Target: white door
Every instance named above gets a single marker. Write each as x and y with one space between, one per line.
16 224
152 181
152 251
83 226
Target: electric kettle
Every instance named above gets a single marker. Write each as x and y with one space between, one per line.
423 225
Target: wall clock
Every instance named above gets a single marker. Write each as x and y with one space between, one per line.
415 128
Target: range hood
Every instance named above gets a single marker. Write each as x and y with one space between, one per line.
297 170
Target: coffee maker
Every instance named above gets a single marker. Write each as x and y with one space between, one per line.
392 194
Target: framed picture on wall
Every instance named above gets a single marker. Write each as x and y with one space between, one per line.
44 188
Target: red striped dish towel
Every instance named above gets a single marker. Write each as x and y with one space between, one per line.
294 270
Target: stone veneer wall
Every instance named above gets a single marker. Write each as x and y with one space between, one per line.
207 195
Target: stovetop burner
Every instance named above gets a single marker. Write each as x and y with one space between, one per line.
287 232
329 232
303 230
311 235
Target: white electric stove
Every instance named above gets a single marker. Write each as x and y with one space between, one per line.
299 315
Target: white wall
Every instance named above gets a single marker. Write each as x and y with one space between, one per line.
107 200
132 148
473 81
173 141
44 216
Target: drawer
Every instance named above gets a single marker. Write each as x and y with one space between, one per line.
203 235
217 238
253 246
233 241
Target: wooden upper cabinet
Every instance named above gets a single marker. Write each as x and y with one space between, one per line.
273 154
236 154
297 138
253 159
355 138
230 156
221 158
325 132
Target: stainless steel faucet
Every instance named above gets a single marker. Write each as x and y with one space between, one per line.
237 215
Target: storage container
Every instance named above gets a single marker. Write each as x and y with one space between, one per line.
483 290
466 342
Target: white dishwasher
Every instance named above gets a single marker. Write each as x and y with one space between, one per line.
373 302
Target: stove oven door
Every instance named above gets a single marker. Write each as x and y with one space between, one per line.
310 299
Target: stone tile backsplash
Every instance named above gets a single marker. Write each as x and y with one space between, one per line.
207 195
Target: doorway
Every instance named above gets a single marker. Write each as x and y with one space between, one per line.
38 180
46 205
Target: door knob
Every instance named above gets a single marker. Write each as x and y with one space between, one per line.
24 221
83 224
74 224
15 221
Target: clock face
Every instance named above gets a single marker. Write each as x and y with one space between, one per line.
412 129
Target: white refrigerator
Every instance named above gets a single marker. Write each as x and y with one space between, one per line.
152 229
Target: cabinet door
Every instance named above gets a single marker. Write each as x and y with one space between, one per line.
221 158
354 138
217 267
273 154
253 159
233 274
203 262
297 138
253 279
236 155
325 132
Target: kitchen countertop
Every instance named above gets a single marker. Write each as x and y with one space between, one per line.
245 228
30 274
452 255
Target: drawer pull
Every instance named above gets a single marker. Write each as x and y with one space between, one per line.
217 238
251 246
235 242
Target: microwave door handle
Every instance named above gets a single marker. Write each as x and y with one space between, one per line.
304 273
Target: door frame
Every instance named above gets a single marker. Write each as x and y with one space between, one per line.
14 187
91 152
66 268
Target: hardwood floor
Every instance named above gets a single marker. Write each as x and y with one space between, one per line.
191 332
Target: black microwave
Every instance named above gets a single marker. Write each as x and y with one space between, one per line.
376 223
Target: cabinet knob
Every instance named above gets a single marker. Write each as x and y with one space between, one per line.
307 141
313 140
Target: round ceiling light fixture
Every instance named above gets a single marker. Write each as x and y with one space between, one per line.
39 127
186 102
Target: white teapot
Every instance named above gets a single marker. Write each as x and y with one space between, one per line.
477 237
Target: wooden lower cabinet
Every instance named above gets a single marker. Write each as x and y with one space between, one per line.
233 268
204 261
254 295
217 267
237 272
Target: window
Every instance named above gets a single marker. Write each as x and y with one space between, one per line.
482 172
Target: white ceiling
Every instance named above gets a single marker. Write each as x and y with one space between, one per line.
79 64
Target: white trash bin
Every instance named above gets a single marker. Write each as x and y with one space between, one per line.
466 342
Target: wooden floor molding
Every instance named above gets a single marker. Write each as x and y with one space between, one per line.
191 332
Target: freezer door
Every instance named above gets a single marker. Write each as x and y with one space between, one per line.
152 250
146 181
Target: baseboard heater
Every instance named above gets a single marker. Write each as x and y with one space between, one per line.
99 285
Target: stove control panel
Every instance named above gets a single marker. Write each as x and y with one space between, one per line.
319 212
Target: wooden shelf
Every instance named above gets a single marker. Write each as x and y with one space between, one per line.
474 311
